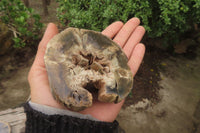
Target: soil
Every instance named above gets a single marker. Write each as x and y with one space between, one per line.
14 67
15 60
38 8
146 80
179 106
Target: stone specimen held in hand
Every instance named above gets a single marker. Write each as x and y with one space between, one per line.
83 66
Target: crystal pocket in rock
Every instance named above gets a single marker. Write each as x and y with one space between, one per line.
83 66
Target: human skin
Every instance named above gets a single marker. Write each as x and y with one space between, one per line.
127 35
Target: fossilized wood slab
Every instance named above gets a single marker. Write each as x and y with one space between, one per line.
84 65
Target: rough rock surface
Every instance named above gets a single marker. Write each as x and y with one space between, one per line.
83 66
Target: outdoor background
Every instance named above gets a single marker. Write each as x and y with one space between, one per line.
166 93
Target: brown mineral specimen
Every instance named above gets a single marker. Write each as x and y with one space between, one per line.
84 65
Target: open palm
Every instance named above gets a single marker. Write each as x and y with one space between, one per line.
128 36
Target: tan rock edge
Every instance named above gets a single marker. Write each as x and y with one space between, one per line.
83 66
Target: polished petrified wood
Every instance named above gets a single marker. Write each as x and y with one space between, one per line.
83 66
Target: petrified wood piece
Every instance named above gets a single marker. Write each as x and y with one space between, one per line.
83 66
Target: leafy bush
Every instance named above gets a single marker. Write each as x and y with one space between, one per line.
21 20
161 18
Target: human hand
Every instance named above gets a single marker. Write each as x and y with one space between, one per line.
126 35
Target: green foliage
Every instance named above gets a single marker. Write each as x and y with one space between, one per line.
21 21
161 18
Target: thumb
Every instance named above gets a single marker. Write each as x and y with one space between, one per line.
50 32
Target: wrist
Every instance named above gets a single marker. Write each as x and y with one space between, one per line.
40 122
48 110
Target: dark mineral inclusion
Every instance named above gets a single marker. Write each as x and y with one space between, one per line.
84 65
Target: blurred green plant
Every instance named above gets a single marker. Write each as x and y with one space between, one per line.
161 18
22 21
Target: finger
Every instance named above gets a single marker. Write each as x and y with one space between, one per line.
134 39
126 31
112 29
136 57
51 31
